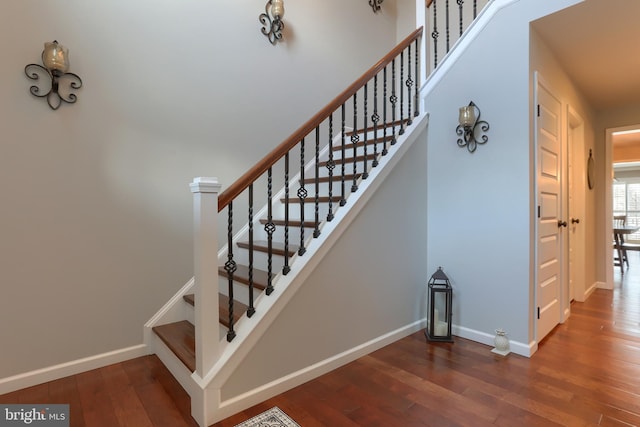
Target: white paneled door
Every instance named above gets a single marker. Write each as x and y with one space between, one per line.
550 225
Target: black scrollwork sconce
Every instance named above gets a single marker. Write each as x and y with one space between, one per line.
54 75
375 5
271 20
471 129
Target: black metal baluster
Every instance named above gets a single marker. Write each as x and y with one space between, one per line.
302 195
435 34
251 310
393 100
374 119
269 227
460 3
446 9
417 70
365 134
384 113
354 141
317 182
285 268
401 131
409 84
343 198
331 164
475 9
230 267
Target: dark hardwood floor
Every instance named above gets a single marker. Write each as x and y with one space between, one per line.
586 373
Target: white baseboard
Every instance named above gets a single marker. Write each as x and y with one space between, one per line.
39 376
517 347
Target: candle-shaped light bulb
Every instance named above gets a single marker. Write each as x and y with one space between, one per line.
55 57
277 8
467 116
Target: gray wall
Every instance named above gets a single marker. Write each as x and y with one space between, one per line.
480 205
96 209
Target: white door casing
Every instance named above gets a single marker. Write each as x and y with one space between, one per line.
577 196
550 223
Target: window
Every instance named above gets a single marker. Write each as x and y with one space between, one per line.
626 201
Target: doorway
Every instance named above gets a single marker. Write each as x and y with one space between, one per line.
622 146
577 208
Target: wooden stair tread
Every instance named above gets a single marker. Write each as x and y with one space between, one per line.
349 160
180 337
239 309
390 125
379 140
241 275
292 223
323 199
335 177
277 248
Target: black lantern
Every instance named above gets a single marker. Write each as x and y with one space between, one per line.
439 308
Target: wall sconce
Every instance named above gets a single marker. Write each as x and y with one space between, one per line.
271 20
55 58
470 125
375 5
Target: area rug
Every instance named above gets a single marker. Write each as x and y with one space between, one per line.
274 417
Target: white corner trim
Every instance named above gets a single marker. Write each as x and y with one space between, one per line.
39 376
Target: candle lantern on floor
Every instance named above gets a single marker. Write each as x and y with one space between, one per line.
439 303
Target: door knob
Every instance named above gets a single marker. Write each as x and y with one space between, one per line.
562 223
575 220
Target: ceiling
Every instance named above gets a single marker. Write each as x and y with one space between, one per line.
596 43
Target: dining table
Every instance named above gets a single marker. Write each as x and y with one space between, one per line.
618 238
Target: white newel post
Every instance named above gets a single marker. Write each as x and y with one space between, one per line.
205 235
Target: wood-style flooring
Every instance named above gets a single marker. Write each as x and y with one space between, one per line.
586 373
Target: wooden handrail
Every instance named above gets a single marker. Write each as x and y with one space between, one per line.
428 2
276 154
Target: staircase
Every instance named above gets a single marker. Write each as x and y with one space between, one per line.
179 336
365 130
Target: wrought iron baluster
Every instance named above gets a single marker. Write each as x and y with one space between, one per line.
285 268
374 119
384 112
446 9
317 182
435 34
331 164
355 138
475 9
365 134
302 195
460 3
393 100
417 89
401 131
343 198
269 227
230 267
251 310
409 84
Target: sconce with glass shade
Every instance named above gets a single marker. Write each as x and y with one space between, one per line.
471 129
53 80
375 5
271 20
